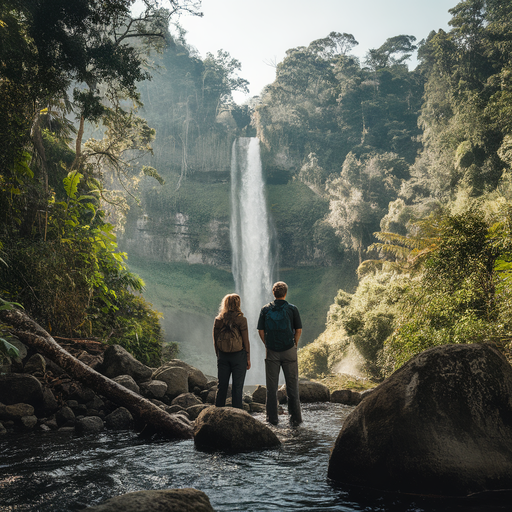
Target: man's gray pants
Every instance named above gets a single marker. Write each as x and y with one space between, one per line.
287 360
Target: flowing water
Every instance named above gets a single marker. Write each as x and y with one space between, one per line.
61 472
253 263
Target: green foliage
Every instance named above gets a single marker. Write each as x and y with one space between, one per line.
135 326
455 299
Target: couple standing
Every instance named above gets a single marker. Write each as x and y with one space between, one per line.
279 327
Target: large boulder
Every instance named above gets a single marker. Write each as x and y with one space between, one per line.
120 419
196 378
118 361
346 397
20 388
186 400
153 388
231 430
441 424
169 500
313 391
175 377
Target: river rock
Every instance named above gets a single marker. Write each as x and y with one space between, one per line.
20 388
49 403
128 382
28 422
196 378
35 365
65 417
118 361
346 397
81 393
89 425
186 400
313 391
153 388
195 410
175 377
15 411
173 409
259 395
120 419
231 430
441 424
168 500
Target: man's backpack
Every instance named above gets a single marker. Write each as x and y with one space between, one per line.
230 339
278 328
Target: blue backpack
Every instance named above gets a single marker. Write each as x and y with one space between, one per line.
278 328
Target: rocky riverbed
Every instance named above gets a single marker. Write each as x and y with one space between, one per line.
36 394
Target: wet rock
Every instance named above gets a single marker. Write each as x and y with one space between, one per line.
366 393
196 378
259 395
81 393
186 400
313 391
173 409
195 410
35 365
256 407
52 423
210 397
89 425
175 377
128 382
120 419
96 403
20 388
231 430
65 417
346 397
118 361
28 422
169 500
441 424
211 383
49 403
15 412
153 388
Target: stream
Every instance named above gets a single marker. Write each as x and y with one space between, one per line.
60 471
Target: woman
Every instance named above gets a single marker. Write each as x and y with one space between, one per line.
231 342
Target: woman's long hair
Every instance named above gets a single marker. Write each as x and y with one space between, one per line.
229 309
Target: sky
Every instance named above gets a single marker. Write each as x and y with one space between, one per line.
258 34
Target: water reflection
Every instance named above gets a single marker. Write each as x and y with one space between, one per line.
63 472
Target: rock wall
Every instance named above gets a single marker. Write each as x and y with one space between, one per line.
176 239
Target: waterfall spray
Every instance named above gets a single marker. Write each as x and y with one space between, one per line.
251 246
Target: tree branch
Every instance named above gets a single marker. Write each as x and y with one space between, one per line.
32 334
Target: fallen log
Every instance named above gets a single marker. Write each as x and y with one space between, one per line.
33 335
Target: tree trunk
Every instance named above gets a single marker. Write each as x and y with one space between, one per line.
32 334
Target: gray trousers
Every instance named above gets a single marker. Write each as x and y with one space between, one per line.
287 360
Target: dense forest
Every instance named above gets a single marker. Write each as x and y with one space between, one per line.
404 174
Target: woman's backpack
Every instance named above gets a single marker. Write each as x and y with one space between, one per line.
230 339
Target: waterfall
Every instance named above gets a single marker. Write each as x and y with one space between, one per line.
251 244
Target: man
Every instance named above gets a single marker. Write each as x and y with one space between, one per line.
280 327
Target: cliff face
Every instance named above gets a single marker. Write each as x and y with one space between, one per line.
174 238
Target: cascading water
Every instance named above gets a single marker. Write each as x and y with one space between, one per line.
251 243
